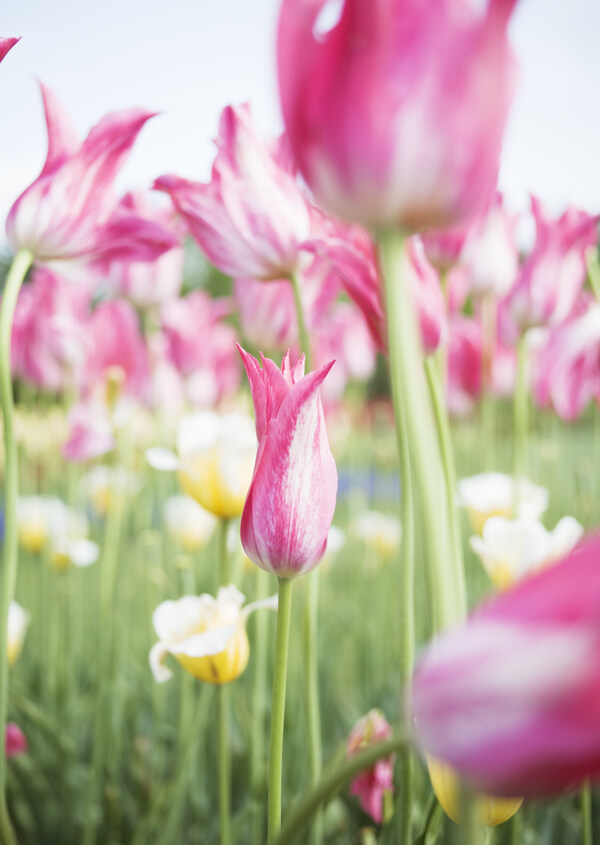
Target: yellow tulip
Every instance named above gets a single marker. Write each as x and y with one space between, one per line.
18 622
206 635
491 811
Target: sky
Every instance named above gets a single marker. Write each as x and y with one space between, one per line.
187 59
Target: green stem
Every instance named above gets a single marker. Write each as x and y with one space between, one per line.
331 781
278 706
258 711
303 336
102 723
516 829
521 409
21 264
224 766
406 371
224 571
403 814
311 615
449 468
587 837
223 698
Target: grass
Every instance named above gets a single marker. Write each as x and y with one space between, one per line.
159 779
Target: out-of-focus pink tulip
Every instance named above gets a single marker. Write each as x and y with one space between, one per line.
351 253
343 335
148 283
396 114
552 277
91 432
267 313
251 218
371 785
49 338
510 699
6 44
490 254
464 364
202 346
291 499
116 343
16 742
568 367
444 246
70 212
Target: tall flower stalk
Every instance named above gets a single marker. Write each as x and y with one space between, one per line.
21 264
289 508
223 711
282 638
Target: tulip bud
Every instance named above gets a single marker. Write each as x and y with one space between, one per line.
371 785
291 500
16 741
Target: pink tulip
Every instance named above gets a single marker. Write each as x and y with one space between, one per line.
149 283
490 254
70 211
6 44
267 313
444 246
371 785
396 114
91 432
351 254
49 338
464 365
251 218
201 346
343 334
510 699
429 298
16 742
291 500
568 367
116 342
552 277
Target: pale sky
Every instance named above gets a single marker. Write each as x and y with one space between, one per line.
189 58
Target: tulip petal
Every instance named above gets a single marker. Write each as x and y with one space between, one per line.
291 500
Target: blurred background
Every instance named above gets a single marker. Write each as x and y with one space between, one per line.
187 59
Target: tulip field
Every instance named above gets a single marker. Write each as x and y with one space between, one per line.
300 503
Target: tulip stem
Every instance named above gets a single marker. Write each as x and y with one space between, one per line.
331 781
406 374
278 706
257 766
224 571
223 699
311 614
586 815
224 766
403 814
447 451
18 270
520 408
